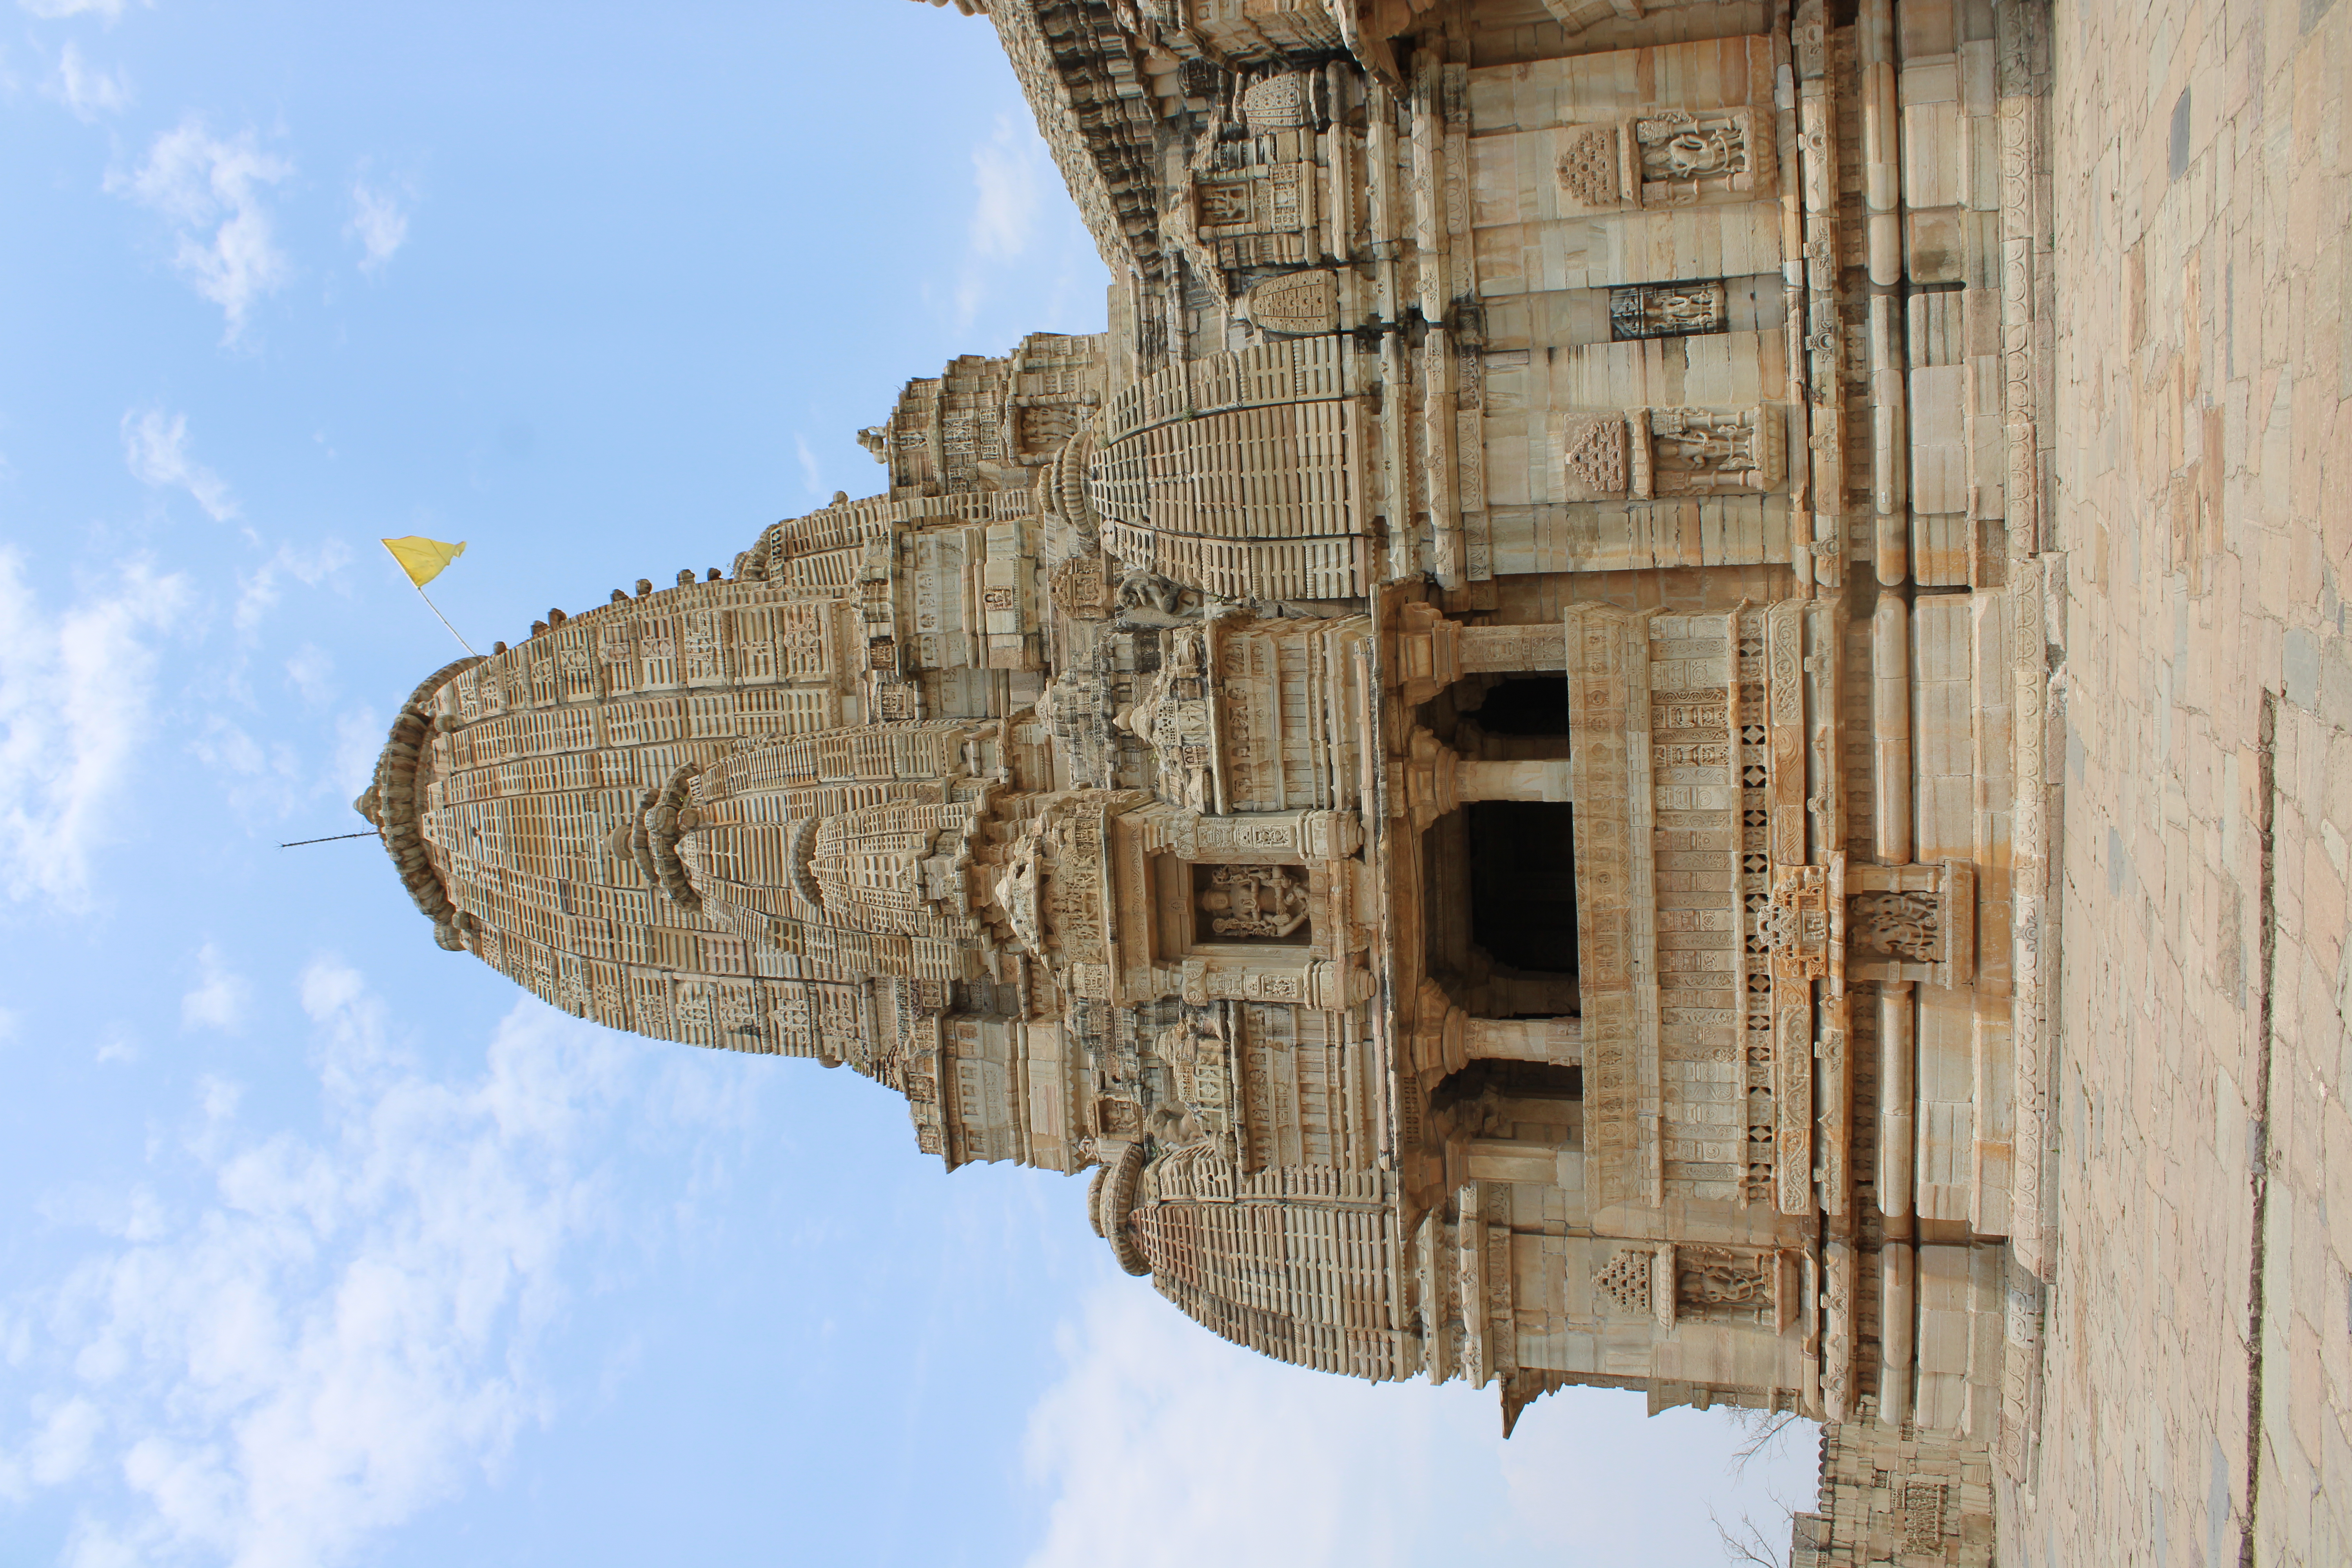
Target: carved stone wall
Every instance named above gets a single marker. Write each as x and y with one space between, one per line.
1120 786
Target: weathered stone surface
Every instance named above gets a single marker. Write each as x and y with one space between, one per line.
1508 753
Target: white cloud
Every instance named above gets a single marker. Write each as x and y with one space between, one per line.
311 672
86 90
259 593
358 742
110 9
1163 1445
211 190
1027 261
75 691
378 222
258 779
811 473
1009 187
1010 181
155 446
219 999
343 1332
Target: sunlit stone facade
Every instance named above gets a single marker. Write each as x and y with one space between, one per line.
1476 758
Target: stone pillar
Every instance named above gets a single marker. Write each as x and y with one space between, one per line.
1433 779
1897 1306
1890 725
1446 1039
1545 779
1897 1099
1557 1040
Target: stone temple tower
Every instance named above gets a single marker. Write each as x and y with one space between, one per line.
1477 757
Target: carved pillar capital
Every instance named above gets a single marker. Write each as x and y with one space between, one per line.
1424 652
1423 784
1438 1044
1545 779
1558 1040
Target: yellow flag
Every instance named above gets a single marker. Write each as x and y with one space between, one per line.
423 558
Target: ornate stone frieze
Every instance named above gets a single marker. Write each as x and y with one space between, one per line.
1610 721
1668 158
1911 922
1696 308
1659 454
1796 928
1300 302
1896 925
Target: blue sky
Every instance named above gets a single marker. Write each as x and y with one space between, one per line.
320 1245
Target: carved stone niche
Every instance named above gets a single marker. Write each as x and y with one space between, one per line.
1669 454
1261 903
1669 158
1288 101
1298 303
1081 589
1696 308
1687 1282
1911 923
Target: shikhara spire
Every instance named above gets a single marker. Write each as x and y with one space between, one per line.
1460 756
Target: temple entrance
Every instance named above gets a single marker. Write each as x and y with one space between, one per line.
1523 884
1501 876
1516 1080
1524 705
1508 1112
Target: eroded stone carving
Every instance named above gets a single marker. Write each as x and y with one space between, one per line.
1625 1280
1589 166
1797 927
1251 903
1690 157
1667 310
1657 454
1723 1284
1670 157
1901 925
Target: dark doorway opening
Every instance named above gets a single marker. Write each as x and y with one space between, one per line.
1523 883
1525 705
1513 1080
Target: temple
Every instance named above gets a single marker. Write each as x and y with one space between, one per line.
1477 757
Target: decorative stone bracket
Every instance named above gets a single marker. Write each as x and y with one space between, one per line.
1911 923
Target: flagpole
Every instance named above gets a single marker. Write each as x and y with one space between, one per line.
442 618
